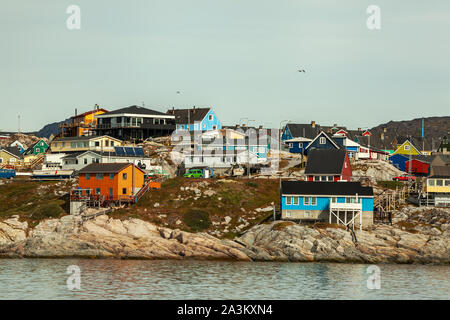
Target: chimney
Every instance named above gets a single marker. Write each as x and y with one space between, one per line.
96 107
359 129
193 109
260 127
382 136
335 125
313 124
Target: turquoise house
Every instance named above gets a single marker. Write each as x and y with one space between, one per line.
195 119
346 203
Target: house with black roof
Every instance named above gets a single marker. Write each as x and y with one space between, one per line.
328 165
195 119
346 203
135 123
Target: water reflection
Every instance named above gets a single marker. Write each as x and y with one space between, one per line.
135 279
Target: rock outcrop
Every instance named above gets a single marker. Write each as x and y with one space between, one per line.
418 236
104 237
285 241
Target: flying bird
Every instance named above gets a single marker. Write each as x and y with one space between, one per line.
301 70
178 92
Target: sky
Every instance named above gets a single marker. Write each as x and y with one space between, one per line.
239 57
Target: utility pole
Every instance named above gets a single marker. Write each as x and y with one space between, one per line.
248 149
18 128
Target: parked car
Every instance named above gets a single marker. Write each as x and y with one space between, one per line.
404 177
7 173
194 173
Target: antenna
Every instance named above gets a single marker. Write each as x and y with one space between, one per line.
18 128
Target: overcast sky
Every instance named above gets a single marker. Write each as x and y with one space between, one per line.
238 56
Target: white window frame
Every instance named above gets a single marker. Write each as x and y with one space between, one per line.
322 140
288 201
295 201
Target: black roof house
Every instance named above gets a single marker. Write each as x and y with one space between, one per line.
304 130
189 116
324 188
325 161
135 123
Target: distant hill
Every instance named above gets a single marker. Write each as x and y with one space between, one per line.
384 135
49 129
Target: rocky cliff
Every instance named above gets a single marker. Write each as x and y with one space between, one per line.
417 236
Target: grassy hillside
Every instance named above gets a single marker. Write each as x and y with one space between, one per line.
203 204
34 201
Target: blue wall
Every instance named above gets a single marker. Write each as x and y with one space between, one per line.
317 145
286 134
399 161
323 203
297 147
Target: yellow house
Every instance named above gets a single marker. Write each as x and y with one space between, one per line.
407 148
82 124
439 185
85 143
9 156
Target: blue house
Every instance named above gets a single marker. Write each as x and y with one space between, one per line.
297 145
195 119
300 130
322 141
399 161
346 203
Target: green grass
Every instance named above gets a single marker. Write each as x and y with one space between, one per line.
390 184
197 220
33 201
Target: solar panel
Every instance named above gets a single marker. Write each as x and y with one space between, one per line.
119 151
129 151
139 152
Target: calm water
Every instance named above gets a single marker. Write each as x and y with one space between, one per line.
131 279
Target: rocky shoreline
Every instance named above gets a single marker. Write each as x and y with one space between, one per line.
418 236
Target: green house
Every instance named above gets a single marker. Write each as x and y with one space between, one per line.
39 147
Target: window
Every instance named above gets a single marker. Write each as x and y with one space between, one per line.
106 143
214 127
323 178
93 160
110 192
447 183
431 182
439 182
210 117
56 144
88 176
88 192
85 160
288 200
306 201
73 144
322 140
99 176
97 144
124 190
333 200
111 176
97 191
112 143
313 201
124 176
63 144
295 200
345 165
288 214
330 178
316 178
42 144
407 147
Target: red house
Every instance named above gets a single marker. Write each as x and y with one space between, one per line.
328 165
420 165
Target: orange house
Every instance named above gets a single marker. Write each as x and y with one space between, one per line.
112 181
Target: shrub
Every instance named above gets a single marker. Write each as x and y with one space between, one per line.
48 210
282 225
252 184
390 184
197 220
